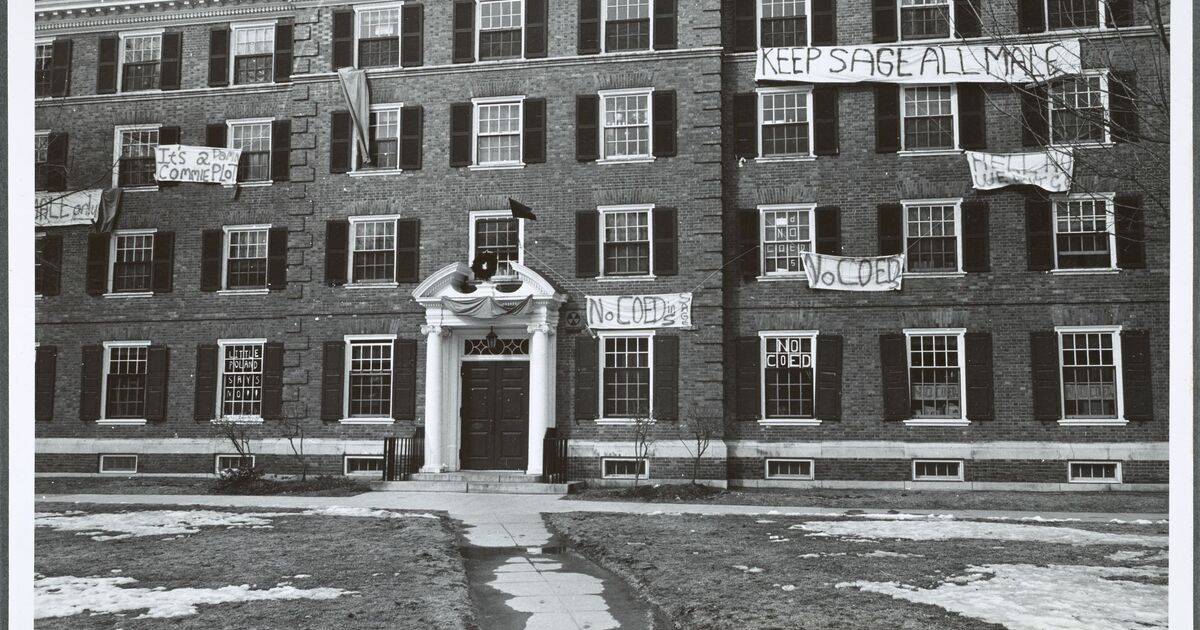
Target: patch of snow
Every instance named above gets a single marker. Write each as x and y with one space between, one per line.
300 576
763 520
362 512
913 530
1030 597
788 587
1142 557
880 553
745 569
146 523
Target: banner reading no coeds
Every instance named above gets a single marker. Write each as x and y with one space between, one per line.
202 165
853 273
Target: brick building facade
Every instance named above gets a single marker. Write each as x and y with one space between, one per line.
326 291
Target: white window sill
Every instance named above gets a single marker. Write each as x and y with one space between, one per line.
937 422
122 422
1084 272
131 294
615 53
238 420
262 184
140 189
789 277
916 152
621 422
496 167
1093 422
1095 481
153 91
626 278
375 172
784 422
371 285
640 159
938 479
252 85
367 421
939 274
262 291
785 158
1083 145
929 41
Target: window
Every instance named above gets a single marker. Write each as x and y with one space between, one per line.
253 137
624 468
384 142
372 250
498 132
253 53
931 236
937 470
625 117
233 462
132 262
1091 378
241 379
141 56
783 23
786 233
789 386
928 117
369 377
1094 472
1084 233
367 465
43 68
1065 14
626 364
246 257
784 123
41 158
38 264
500 29
925 19
118 464
935 368
625 241
136 147
790 469
627 25
1079 109
497 231
378 36
125 380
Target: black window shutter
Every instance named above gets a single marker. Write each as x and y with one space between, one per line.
893 357
168 135
589 27
587 243
665 405
343 39
1119 13
977 255
749 239
890 223
412 137
829 377
91 379
341 138
745 125
212 246
1039 234
337 246
272 381
749 398
745 26
52 259
56 161
460 134
829 230
887 118
1136 383
533 143
332 375
664 123
1122 89
412 33
967 22
972 119
1031 16
666 241
218 56
1043 354
883 21
587 127
281 150
207 363
823 18
980 391
464 31
158 360
162 275
277 254
46 363
97 264
587 377
665 35
825 120
171 66
215 135
404 379
1035 121
60 67
1131 231
535 28
408 250
284 41
106 65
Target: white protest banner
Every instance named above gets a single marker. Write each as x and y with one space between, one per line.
669 310
202 165
853 273
1050 169
916 63
54 209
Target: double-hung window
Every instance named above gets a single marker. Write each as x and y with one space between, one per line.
627 25
378 36
926 19
625 117
141 61
785 122
1084 232
1079 109
625 364
372 250
936 374
241 379
932 236
253 55
246 257
369 377
383 143
125 371
41 158
498 131
501 29
783 23
132 257
928 114
43 68
499 232
789 362
1074 14
253 137
787 232
39 263
625 234
1091 373
135 156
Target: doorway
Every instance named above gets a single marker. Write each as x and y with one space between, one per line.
495 415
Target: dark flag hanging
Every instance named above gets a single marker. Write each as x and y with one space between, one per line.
520 210
110 206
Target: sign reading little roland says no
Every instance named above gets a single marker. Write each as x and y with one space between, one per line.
669 310
202 165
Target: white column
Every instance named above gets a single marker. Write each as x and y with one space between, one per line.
539 393
433 398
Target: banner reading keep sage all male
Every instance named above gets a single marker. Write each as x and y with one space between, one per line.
53 209
915 63
668 310
201 165
853 273
1050 169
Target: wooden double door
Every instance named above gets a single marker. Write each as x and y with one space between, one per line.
495 415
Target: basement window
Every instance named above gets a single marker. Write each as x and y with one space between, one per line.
367 465
118 464
937 470
1094 472
790 469
624 468
231 462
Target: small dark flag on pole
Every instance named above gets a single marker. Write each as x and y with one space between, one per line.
520 210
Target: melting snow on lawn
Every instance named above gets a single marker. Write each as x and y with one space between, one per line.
915 530
1029 597
179 522
68 595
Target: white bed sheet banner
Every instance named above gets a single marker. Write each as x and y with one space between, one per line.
853 273
916 63
1050 169
616 312
53 209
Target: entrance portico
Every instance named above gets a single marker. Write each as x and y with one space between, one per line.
523 314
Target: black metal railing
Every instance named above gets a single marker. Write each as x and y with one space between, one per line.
403 456
554 457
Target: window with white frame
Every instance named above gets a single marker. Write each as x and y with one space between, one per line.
501 24
498 131
378 32
788 375
253 137
38 264
926 19
623 468
118 464
937 470
1094 472
132 257
41 158
625 241
1084 234
801 469
1079 109
785 126
783 23
372 250
246 257
367 465
1074 14
625 365
928 115
1091 374
369 377
136 149
786 234
627 25
935 373
233 462
241 379
625 120
253 55
141 58
931 236
43 68
384 141
125 369
498 232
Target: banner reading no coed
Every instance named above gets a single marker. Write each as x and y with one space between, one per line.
202 165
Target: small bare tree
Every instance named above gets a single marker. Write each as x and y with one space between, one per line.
643 444
293 431
697 432
238 435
